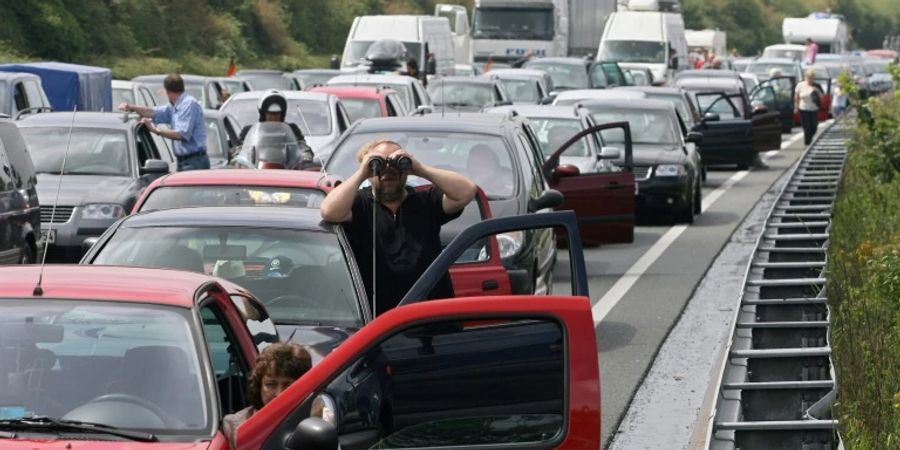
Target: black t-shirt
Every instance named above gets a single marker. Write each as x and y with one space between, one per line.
407 243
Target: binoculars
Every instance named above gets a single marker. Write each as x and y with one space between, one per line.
402 164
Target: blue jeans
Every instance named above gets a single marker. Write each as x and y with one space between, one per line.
199 161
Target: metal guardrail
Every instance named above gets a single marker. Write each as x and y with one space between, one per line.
777 382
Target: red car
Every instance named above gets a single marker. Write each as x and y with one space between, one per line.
478 273
98 356
364 102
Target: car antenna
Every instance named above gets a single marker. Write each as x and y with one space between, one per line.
443 99
38 290
302 119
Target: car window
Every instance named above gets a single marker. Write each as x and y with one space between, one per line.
120 95
146 148
486 406
483 158
300 276
257 321
554 132
647 127
227 362
565 76
92 151
215 138
127 365
717 104
389 106
535 179
36 96
462 94
525 91
20 102
363 108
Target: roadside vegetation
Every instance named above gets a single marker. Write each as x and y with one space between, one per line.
864 277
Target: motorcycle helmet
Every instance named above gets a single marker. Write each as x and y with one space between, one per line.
272 102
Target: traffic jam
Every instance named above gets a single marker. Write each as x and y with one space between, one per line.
371 255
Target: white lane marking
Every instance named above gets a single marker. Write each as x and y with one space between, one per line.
618 290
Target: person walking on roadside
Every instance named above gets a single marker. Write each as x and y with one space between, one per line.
812 50
807 98
185 115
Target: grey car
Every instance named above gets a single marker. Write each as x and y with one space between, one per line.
109 161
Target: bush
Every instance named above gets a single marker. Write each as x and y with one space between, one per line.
864 280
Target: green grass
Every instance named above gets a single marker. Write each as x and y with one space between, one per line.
864 280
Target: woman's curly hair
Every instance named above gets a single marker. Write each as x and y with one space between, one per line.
279 359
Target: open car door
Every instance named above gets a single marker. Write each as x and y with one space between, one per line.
603 201
727 136
479 270
765 118
464 373
783 87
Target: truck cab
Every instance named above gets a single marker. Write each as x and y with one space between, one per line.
650 39
508 30
22 94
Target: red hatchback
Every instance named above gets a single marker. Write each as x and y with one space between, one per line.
364 102
101 355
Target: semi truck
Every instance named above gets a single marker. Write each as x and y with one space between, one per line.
507 30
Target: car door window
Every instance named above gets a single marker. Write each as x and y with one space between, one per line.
535 186
342 120
389 105
146 148
764 95
227 362
258 322
20 102
35 94
381 394
718 104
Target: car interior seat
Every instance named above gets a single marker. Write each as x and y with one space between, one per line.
160 374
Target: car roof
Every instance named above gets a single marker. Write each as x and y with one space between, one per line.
711 83
370 78
321 71
161 77
461 122
276 177
288 95
232 216
109 283
707 73
643 104
463 80
567 111
12 75
372 92
520 72
119 121
666 90
775 61
590 94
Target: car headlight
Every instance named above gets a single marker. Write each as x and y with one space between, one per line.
670 170
102 211
510 243
327 408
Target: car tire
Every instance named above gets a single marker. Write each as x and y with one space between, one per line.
703 173
686 215
698 200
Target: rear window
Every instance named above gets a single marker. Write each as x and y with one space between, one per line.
170 197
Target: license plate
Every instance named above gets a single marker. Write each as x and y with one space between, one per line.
49 236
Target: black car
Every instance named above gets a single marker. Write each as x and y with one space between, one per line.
667 170
782 90
20 215
734 131
109 159
499 152
466 94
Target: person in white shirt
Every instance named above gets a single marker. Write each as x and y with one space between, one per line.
807 100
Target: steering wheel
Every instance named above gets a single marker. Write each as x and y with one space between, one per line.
134 400
293 299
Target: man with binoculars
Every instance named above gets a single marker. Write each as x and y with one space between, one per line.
401 224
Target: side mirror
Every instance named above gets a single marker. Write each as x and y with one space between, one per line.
431 65
694 136
88 243
335 62
551 198
421 110
548 100
710 117
610 153
155 167
566 170
673 63
313 433
760 109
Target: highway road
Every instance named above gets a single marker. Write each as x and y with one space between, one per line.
640 289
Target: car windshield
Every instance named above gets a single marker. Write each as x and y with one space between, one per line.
525 91
647 127
120 95
263 81
314 121
302 277
483 158
232 86
554 132
170 197
126 365
513 23
313 78
634 51
564 76
461 94
765 69
796 55
640 77
361 108
404 90
91 151
676 99
215 138
355 52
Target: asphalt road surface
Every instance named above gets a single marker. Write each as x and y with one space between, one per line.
639 290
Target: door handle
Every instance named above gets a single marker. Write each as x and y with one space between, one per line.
490 285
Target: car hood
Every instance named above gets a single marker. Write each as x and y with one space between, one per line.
44 443
653 154
82 189
319 340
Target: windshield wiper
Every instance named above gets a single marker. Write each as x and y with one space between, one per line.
50 423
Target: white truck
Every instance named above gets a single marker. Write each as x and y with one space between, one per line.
645 39
830 33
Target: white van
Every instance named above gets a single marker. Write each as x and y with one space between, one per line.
459 25
420 35
645 39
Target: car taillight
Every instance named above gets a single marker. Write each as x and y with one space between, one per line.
269 165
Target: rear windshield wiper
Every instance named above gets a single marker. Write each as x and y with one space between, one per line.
50 423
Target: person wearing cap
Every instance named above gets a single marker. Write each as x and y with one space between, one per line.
185 116
272 107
